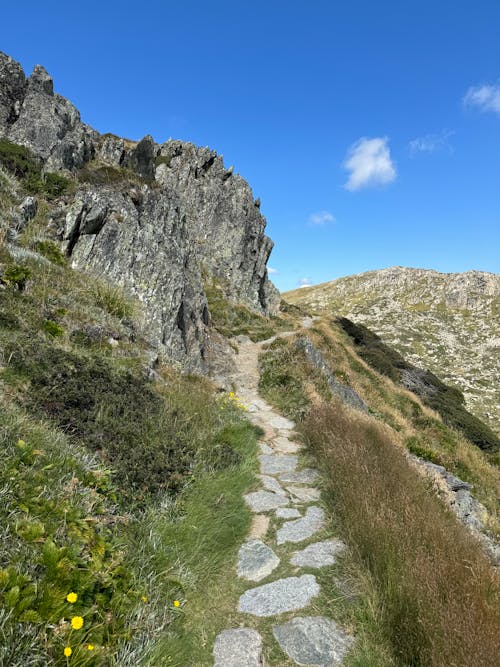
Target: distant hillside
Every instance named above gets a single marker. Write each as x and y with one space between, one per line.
446 322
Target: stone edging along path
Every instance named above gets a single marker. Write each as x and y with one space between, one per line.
291 494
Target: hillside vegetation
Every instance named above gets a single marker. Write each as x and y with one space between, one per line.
121 495
445 322
438 596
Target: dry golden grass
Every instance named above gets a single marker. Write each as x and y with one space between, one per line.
441 598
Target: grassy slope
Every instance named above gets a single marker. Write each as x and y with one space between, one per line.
124 491
434 592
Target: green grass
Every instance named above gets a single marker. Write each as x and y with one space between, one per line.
125 491
233 319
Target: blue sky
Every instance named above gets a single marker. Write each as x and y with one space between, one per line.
370 130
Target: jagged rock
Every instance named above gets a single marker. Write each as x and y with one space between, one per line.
302 529
12 91
49 125
318 554
305 476
263 501
256 560
141 158
313 641
241 647
279 596
271 464
153 238
27 210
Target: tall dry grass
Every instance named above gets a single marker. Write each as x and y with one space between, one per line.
441 597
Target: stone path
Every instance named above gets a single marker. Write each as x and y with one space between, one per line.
289 495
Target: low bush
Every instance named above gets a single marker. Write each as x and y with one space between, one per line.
20 162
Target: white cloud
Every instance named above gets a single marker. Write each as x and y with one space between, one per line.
304 282
431 143
369 163
321 218
271 270
485 98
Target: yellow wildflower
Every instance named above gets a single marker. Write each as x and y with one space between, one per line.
90 647
77 622
72 597
144 598
21 444
68 651
177 603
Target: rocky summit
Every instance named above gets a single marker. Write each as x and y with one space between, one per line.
161 220
446 322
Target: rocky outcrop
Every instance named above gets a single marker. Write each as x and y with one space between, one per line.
159 220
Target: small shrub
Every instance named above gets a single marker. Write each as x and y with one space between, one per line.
53 328
51 251
17 275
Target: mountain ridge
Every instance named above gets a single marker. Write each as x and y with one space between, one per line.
446 322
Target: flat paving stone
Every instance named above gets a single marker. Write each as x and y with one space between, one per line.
304 494
264 501
256 560
281 422
286 446
305 476
318 554
287 513
241 647
272 484
265 449
314 641
301 529
279 596
280 463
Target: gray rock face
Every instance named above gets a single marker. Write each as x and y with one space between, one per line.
301 529
12 91
185 213
108 234
256 560
241 647
318 554
314 641
271 464
45 122
279 596
263 501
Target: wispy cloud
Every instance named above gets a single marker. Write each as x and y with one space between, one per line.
485 97
304 282
271 270
321 218
369 163
430 143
